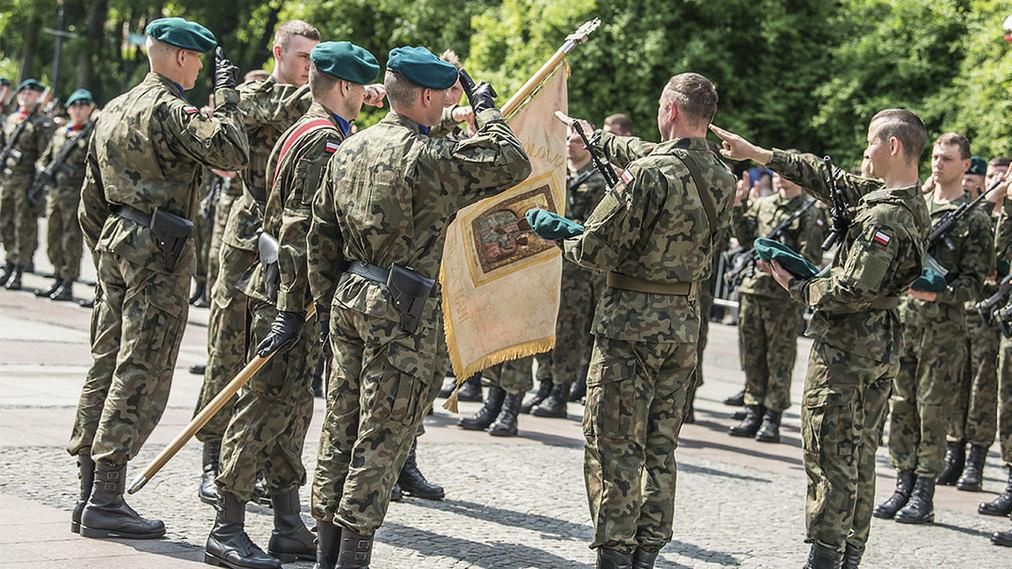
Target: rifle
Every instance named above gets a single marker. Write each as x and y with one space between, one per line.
213 194
840 210
987 308
745 259
941 229
46 177
10 152
601 164
1004 318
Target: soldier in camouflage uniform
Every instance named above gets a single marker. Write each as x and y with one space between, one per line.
388 195
147 148
924 390
19 219
63 233
655 233
768 320
855 325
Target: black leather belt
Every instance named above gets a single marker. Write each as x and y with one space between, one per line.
377 274
133 214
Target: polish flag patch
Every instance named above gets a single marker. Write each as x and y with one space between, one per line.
627 177
881 237
190 110
331 147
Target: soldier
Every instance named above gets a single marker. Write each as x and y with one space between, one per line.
138 196
655 234
381 217
69 145
973 178
855 324
923 390
271 416
768 320
564 365
499 412
25 134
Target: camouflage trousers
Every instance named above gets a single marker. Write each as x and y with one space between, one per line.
221 211
923 393
705 307
768 345
842 415
580 290
974 416
64 240
378 393
636 399
513 376
226 337
271 415
203 227
136 327
19 220
1005 399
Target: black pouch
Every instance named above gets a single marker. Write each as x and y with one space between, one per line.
408 291
267 247
171 232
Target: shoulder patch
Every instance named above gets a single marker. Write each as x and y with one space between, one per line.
331 146
881 237
627 177
190 109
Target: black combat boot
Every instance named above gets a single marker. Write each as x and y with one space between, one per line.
920 509
64 293
955 458
1002 538
395 493
554 406
749 426
1002 504
644 559
291 540
488 412
544 390
904 486
471 390
736 400
5 273
229 545
198 292
413 482
506 423
86 472
207 491
820 557
769 432
107 515
613 559
356 550
14 282
328 537
973 472
852 558
578 391
44 293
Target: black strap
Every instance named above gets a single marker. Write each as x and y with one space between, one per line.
376 274
135 215
704 196
575 182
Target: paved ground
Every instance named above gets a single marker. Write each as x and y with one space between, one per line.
511 504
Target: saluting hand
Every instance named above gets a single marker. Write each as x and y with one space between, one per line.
570 121
743 188
737 148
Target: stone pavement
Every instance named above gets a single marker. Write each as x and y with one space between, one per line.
511 504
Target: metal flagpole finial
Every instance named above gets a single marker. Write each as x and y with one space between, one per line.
580 35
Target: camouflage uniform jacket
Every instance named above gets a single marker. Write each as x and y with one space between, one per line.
387 197
289 212
855 303
75 160
653 226
760 218
1000 266
146 152
32 142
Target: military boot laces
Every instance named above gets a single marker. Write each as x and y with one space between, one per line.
356 550
820 557
554 406
14 282
749 426
973 472
613 559
86 472
769 432
207 491
644 559
471 390
290 540
904 486
328 544
107 515
44 293
413 482
955 459
920 509
228 545
852 558
544 389
1002 504
63 293
506 423
489 411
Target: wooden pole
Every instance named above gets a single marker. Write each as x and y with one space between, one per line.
206 414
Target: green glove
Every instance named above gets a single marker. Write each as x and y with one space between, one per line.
929 281
552 226
792 261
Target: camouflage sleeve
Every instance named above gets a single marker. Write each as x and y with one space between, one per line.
324 243
1003 236
744 223
46 129
623 150
446 124
806 170
218 141
280 106
47 154
813 233
94 209
976 262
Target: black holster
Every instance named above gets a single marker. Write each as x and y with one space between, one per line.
267 247
171 233
408 291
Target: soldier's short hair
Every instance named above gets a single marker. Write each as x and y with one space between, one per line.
620 122
401 91
320 82
1000 161
287 30
906 127
955 139
451 57
694 95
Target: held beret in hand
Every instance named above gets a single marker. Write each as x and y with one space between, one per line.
552 226
80 96
422 67
345 60
182 33
929 281
31 84
792 261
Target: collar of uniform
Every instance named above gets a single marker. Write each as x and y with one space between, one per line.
936 207
74 128
169 84
683 143
887 194
401 120
316 110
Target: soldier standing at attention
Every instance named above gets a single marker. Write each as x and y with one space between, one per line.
655 233
63 233
855 326
375 246
139 194
27 132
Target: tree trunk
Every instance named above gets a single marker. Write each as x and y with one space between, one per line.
29 48
91 51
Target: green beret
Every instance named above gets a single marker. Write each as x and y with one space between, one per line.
32 84
5 82
792 261
929 281
978 166
422 67
182 33
81 95
345 60
552 226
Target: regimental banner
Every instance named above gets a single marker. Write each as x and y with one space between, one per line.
500 284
